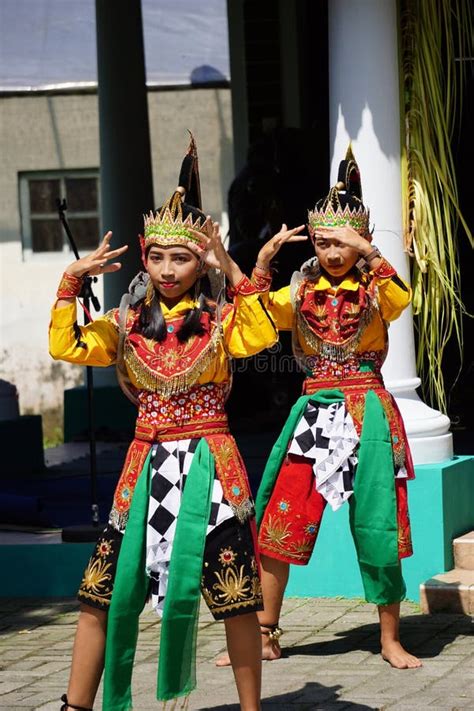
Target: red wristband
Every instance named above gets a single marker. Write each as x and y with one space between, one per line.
69 287
384 270
243 288
261 280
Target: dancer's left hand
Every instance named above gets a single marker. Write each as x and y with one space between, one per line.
347 236
216 256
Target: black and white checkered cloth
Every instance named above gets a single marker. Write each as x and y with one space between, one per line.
326 434
171 462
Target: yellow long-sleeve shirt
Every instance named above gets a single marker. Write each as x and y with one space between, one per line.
246 330
336 312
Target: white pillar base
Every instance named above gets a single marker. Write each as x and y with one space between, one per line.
427 429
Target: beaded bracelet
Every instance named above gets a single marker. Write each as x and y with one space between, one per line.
69 287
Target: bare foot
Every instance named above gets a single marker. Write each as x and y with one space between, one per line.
223 661
270 650
398 657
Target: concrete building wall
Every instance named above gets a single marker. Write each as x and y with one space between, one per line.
61 132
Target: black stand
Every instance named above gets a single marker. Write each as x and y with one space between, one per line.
82 534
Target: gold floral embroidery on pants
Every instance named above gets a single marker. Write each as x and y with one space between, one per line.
233 587
277 536
96 577
276 532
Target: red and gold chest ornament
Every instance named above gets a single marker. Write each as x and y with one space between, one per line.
332 324
171 366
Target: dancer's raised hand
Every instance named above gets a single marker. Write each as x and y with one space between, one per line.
95 263
217 256
272 247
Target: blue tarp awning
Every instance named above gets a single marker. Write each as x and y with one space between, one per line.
51 44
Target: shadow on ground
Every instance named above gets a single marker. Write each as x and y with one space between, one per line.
423 635
34 613
311 697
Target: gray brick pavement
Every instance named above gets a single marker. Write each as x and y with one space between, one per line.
331 660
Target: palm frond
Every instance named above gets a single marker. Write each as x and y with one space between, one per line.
432 33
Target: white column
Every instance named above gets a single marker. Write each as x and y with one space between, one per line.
364 109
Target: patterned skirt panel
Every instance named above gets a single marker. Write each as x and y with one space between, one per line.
230 579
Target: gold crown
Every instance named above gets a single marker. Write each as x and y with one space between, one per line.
330 216
331 212
167 227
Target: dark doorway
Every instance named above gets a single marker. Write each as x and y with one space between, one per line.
279 68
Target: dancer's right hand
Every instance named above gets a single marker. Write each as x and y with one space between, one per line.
272 247
96 262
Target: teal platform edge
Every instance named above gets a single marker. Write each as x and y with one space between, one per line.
441 500
441 504
43 570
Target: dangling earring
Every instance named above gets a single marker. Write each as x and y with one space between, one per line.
150 293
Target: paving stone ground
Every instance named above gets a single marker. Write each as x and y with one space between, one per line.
331 660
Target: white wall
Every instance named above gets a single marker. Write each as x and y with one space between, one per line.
61 132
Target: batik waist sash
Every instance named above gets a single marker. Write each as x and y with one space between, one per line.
354 389
147 432
356 381
230 467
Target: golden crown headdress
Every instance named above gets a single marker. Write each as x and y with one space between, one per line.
173 223
343 204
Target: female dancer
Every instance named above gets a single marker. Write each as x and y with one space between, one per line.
182 519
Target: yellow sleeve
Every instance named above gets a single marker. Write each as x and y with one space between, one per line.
247 327
278 303
94 344
394 294
280 308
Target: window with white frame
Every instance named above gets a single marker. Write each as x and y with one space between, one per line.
41 229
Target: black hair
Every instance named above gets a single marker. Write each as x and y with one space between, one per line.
152 324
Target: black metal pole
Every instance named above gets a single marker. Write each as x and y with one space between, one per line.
88 297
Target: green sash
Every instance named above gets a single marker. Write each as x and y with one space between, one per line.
177 666
176 669
373 511
128 598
